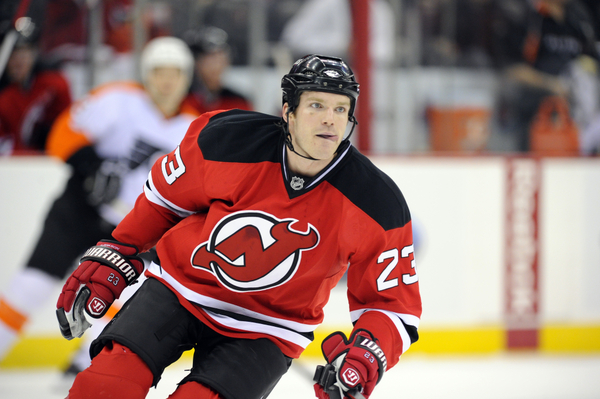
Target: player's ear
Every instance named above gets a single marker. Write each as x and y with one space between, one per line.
284 111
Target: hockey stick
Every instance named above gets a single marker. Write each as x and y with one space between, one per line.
326 377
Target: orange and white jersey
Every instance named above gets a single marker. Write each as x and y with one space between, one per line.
122 123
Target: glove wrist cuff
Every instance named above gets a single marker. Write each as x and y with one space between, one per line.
125 249
365 340
113 258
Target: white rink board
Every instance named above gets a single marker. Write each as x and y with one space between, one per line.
458 209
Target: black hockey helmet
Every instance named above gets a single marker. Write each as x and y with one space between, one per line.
319 73
206 40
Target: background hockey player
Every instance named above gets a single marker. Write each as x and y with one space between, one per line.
255 219
110 139
212 58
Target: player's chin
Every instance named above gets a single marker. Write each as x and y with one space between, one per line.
324 153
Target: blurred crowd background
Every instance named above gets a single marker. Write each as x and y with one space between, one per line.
453 76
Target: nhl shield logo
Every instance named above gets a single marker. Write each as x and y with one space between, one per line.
297 183
254 251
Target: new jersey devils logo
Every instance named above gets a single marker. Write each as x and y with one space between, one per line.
254 251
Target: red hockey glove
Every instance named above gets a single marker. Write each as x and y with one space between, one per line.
103 273
353 366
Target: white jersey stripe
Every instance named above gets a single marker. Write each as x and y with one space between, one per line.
260 328
154 196
399 319
289 331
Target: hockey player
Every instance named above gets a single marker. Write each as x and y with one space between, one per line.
255 219
211 60
110 139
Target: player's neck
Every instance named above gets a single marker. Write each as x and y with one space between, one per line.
303 166
167 107
168 112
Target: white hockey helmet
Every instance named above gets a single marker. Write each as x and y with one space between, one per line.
165 52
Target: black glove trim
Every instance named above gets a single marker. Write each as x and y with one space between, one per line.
363 342
112 258
371 346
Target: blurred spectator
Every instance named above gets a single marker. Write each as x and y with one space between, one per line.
33 95
234 17
66 26
212 58
325 27
64 31
455 33
67 35
537 41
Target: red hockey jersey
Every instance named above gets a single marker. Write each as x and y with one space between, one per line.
254 251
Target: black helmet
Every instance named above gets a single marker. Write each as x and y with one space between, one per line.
319 73
206 40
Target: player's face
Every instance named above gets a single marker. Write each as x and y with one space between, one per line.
210 68
318 125
167 86
20 64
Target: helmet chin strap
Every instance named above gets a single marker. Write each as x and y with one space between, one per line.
288 137
288 143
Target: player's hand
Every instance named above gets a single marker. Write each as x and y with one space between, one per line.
103 273
353 366
103 185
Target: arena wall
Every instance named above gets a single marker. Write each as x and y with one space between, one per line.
459 209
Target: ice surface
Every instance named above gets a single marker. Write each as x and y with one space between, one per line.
504 376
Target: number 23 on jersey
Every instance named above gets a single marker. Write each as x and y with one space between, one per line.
171 171
383 283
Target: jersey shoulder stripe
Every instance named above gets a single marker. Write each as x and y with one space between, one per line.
371 190
241 136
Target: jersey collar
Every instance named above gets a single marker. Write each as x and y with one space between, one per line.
297 185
